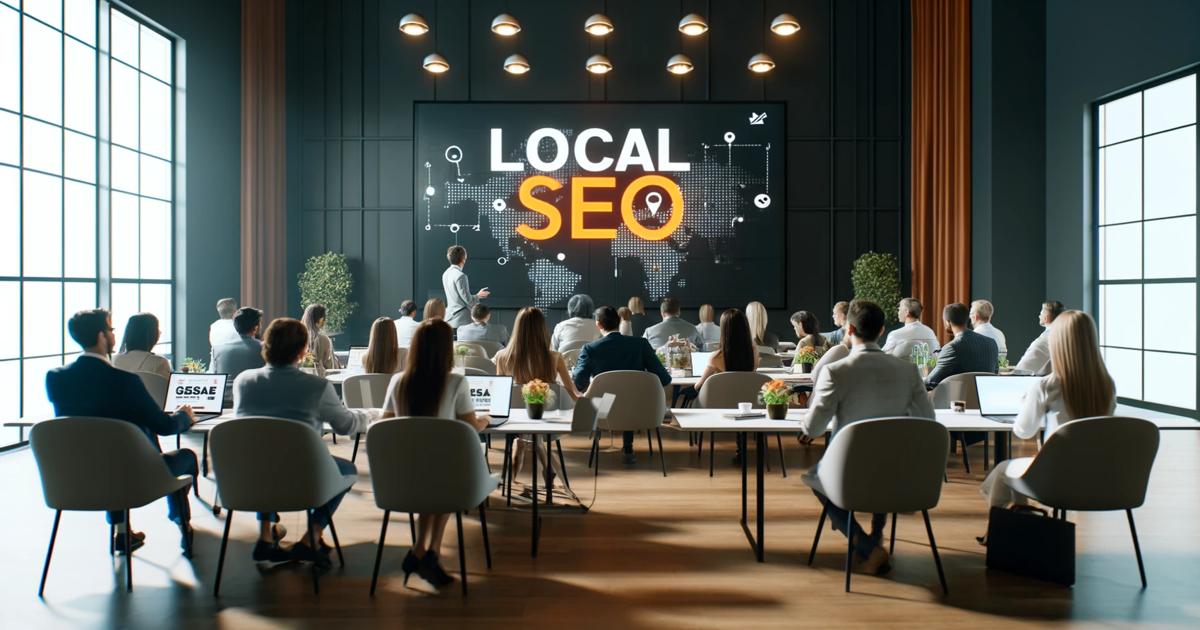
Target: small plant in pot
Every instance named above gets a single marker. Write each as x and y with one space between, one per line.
535 392
460 355
775 395
806 358
193 366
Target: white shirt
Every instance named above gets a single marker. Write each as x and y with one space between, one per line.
455 400
867 384
626 327
1036 359
574 329
900 342
222 331
988 330
1044 407
405 327
709 332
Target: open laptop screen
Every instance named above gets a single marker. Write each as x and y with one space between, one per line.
204 392
700 362
491 394
1002 395
354 362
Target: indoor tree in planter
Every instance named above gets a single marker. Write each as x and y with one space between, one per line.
327 280
876 277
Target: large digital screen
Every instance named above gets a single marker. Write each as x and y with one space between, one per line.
609 199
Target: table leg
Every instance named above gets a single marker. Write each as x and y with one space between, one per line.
533 542
204 454
549 471
755 537
761 446
738 438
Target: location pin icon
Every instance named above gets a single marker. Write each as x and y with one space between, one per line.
653 201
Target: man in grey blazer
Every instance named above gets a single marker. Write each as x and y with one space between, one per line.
969 351
243 353
281 390
459 298
481 327
672 326
867 384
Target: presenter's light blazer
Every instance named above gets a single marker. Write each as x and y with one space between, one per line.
459 298
90 386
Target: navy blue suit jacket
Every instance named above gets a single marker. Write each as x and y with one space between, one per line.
970 352
92 387
615 351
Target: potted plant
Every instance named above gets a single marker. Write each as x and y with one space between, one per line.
806 358
194 366
775 395
535 392
876 278
309 364
326 280
460 355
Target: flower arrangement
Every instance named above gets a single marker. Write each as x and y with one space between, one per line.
193 366
535 392
807 355
776 392
1002 363
462 351
309 360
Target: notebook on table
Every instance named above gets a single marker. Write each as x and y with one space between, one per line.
205 393
1001 397
492 395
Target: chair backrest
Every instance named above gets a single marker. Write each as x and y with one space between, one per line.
479 363
589 412
427 465
641 401
156 385
885 465
768 359
957 387
725 390
490 347
474 347
575 344
473 371
98 464
362 391
570 357
1100 463
272 465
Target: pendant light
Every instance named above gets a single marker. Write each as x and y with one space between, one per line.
598 25
413 25
435 63
516 64
505 25
761 63
785 24
679 64
692 25
598 64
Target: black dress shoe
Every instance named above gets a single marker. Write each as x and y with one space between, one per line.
135 542
303 553
431 571
628 459
270 552
187 536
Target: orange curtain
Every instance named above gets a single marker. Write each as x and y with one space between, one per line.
941 155
264 211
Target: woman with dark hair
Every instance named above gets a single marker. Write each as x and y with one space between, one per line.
319 344
808 331
137 347
579 325
528 356
736 351
427 387
383 351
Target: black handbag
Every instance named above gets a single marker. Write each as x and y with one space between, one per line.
1026 541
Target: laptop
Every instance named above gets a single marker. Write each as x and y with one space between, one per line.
492 395
700 361
204 392
1001 397
354 362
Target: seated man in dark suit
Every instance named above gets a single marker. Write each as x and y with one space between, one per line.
969 351
614 351
91 386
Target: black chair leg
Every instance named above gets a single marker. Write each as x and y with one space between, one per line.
849 548
128 554
1137 549
412 527
662 455
50 551
487 546
562 463
112 540
592 452
712 448
933 547
650 445
820 525
221 557
354 453
462 554
379 551
315 577
782 461
336 544
892 544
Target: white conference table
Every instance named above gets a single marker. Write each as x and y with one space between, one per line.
783 374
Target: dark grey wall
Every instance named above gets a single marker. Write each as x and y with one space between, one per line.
1095 48
1008 134
353 78
208 232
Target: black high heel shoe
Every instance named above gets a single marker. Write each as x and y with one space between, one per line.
431 571
410 564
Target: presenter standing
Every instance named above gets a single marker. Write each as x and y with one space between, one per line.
459 298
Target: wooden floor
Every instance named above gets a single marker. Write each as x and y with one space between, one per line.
654 553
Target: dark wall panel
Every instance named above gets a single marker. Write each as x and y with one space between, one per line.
841 78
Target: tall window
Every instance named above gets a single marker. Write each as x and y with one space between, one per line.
53 184
1146 242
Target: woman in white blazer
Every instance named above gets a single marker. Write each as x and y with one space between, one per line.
137 347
